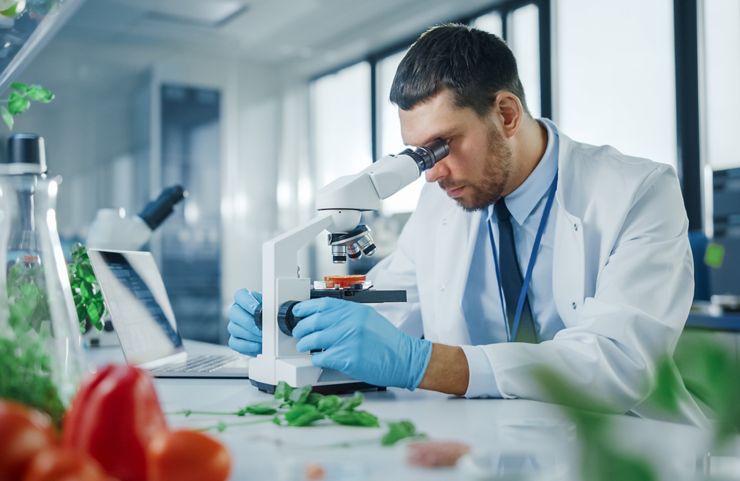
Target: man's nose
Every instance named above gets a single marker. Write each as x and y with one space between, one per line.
438 171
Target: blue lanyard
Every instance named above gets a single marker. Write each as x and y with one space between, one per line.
530 266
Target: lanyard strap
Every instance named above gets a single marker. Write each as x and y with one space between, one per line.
530 267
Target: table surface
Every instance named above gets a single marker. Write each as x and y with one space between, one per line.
526 439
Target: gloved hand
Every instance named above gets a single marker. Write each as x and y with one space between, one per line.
245 337
361 343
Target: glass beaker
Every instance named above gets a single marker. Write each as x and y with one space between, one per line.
40 344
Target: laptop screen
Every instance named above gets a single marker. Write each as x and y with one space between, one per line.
138 304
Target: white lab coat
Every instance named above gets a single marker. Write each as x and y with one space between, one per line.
622 279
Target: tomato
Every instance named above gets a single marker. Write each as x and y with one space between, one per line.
185 455
112 418
23 433
64 464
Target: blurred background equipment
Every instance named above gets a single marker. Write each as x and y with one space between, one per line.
112 229
723 252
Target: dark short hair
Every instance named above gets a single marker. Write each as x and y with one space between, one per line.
473 64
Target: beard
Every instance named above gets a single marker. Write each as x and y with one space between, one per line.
495 175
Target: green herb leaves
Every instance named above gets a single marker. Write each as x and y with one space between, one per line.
28 303
355 418
306 408
20 98
398 431
257 409
85 291
26 373
303 408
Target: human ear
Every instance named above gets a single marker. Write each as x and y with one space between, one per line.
509 110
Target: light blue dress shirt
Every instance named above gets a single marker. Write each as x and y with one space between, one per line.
481 302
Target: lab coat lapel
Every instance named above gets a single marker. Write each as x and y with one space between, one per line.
568 275
456 232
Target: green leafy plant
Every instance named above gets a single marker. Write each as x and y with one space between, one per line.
86 293
26 373
26 367
20 98
708 370
27 301
302 408
600 460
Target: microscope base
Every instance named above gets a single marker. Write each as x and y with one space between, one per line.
346 388
266 372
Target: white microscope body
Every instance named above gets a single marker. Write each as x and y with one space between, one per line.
340 205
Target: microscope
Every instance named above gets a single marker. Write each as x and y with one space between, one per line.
340 205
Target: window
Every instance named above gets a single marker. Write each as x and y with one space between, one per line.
721 56
341 105
617 75
523 38
341 123
491 23
389 134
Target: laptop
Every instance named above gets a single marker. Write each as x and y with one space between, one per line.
142 316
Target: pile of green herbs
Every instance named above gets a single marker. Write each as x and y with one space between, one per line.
303 407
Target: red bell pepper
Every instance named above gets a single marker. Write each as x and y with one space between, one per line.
112 418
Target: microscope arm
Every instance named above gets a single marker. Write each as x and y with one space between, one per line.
365 190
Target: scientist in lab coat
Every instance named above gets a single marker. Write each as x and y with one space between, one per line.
531 250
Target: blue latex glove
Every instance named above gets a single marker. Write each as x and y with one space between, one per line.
361 343
245 337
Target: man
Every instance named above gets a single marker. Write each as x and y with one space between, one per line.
530 237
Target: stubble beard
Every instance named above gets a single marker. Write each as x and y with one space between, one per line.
496 171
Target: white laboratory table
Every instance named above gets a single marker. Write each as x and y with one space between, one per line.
516 439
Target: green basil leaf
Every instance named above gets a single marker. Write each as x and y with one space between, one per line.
298 410
355 418
17 103
314 398
20 87
398 431
37 93
282 391
351 403
306 419
7 117
300 396
258 409
329 404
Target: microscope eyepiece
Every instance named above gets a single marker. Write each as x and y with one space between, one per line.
428 155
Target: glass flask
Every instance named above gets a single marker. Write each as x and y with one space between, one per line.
40 343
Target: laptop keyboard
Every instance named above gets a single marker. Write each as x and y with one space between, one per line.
201 363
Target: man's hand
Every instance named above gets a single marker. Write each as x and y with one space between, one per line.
245 336
360 343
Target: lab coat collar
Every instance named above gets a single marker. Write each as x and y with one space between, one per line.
522 202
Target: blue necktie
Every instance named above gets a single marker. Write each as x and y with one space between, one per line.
511 276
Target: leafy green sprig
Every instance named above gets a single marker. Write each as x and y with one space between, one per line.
86 293
302 408
20 98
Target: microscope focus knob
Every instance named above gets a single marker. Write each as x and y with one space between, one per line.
286 320
258 317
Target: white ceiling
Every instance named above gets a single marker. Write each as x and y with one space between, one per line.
305 36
